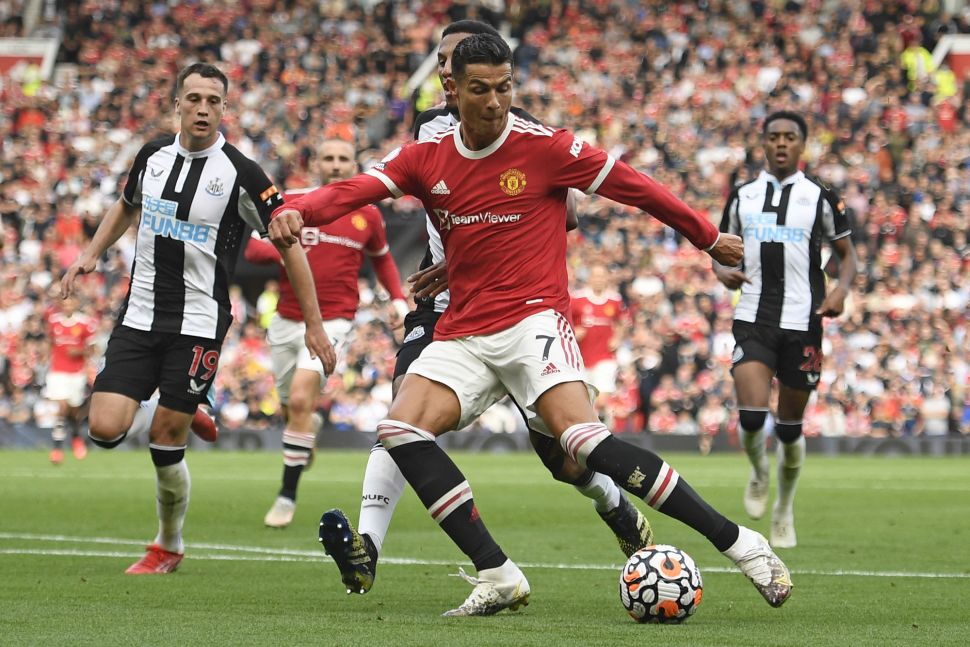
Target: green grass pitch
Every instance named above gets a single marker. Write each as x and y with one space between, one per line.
883 558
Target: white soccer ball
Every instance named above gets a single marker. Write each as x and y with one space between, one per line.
660 584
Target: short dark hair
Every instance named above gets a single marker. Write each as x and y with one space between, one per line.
479 48
791 116
205 70
469 27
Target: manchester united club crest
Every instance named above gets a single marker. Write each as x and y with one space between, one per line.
358 221
512 181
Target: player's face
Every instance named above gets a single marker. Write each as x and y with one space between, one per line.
336 161
597 278
484 95
445 49
69 305
783 147
200 106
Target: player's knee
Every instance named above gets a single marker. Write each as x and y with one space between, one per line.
789 431
752 420
106 430
562 468
299 404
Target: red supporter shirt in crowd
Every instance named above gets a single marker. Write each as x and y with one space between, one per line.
69 335
598 314
501 214
335 253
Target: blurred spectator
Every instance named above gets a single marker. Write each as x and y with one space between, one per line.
675 89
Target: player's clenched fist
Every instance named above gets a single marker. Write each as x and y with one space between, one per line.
285 227
728 250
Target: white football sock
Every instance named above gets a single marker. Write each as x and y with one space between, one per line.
142 422
603 491
791 456
382 488
172 488
754 447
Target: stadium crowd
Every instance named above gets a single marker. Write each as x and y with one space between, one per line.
676 89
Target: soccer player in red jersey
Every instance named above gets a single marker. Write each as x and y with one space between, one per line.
598 314
356 551
335 253
496 188
69 331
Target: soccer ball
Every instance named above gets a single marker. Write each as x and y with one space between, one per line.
660 584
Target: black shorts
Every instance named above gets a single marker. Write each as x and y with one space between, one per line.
418 333
181 367
795 355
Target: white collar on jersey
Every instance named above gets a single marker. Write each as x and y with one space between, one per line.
184 152
465 152
791 179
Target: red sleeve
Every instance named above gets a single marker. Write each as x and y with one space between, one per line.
262 251
629 186
333 201
592 170
386 270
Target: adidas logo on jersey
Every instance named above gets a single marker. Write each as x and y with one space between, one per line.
440 188
549 370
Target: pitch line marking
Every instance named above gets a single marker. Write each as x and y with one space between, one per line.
260 554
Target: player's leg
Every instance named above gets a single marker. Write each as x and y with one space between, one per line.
299 441
449 386
797 377
188 368
167 442
129 375
78 447
565 409
561 401
356 551
625 520
754 363
59 432
285 338
67 390
752 381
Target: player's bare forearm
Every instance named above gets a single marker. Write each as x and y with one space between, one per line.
834 302
848 263
116 221
298 271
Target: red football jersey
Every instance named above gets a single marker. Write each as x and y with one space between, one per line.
598 315
69 334
335 253
501 214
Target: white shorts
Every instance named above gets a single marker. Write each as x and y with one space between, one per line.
603 376
69 387
523 361
289 352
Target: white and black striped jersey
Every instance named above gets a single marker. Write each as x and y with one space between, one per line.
195 207
783 225
426 125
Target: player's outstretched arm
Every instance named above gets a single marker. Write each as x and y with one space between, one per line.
119 217
324 205
298 270
628 186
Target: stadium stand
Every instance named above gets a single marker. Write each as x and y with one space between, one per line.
677 91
